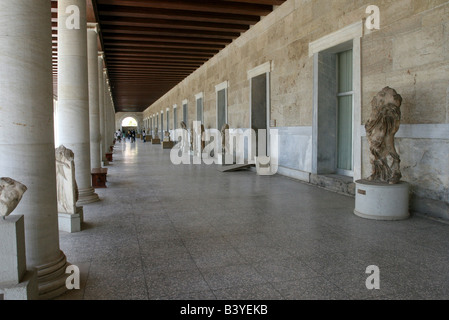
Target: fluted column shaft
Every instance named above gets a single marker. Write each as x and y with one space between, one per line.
105 108
73 92
27 145
101 103
94 108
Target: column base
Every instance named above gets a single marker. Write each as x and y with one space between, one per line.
87 196
71 222
25 290
51 278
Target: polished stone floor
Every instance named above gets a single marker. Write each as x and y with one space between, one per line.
190 232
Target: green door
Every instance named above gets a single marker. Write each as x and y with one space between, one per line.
345 113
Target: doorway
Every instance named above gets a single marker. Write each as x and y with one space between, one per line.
345 113
260 112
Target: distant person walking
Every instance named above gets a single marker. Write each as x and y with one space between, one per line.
133 136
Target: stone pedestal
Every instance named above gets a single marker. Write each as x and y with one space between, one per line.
380 201
12 249
71 222
109 157
156 141
167 145
99 177
25 290
16 283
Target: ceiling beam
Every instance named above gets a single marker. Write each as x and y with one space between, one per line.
170 32
177 24
160 44
112 37
196 6
152 13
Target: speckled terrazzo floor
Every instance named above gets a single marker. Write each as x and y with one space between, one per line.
171 232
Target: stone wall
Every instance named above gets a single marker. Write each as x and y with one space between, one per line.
410 53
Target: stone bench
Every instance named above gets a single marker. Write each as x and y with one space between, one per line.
99 177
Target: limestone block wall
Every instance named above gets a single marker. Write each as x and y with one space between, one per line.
410 52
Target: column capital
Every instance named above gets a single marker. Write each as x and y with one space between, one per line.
93 26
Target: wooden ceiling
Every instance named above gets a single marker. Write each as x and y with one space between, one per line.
152 45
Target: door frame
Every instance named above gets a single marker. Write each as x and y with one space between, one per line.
265 68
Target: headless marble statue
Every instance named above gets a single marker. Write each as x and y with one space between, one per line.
11 193
381 129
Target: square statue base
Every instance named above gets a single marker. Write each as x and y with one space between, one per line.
16 282
27 289
156 141
71 222
99 178
12 250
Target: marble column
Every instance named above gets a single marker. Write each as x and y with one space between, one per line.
111 121
94 108
105 147
101 103
109 124
27 148
73 92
